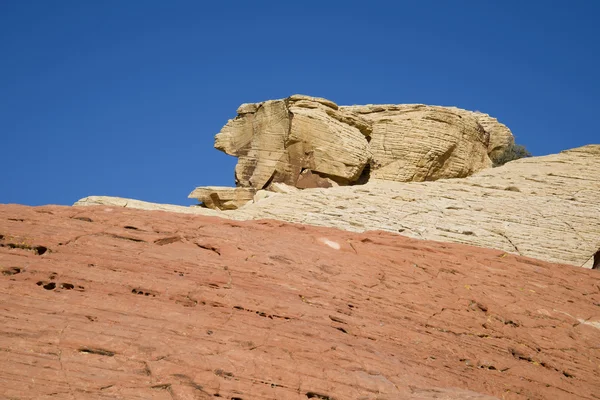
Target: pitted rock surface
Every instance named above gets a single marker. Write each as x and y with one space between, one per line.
111 302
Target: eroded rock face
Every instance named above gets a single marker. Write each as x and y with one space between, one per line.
415 143
542 207
108 302
278 140
222 197
500 136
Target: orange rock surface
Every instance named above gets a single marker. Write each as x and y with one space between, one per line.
103 302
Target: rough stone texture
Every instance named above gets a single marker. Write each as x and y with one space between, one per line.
542 207
276 140
500 136
282 188
416 143
143 205
263 194
108 302
223 198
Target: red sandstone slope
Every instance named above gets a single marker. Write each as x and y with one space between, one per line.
102 303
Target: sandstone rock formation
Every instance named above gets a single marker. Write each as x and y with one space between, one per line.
223 198
500 136
109 302
419 143
542 207
275 140
144 205
278 140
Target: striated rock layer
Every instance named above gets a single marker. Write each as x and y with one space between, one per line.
542 207
222 197
278 140
108 302
416 143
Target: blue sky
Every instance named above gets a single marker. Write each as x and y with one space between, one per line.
123 98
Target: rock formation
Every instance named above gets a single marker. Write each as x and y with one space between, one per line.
223 198
416 143
276 140
542 207
110 302
311 142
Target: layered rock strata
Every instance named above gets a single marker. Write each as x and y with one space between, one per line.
542 207
287 140
222 197
108 302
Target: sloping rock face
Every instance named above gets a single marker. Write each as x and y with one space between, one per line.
107 302
144 205
542 207
276 140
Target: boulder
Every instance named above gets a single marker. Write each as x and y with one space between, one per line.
308 179
222 197
279 140
424 143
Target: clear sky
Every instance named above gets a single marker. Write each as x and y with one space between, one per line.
124 97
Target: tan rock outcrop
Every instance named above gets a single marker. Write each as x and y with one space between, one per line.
279 187
143 205
277 140
415 143
500 136
222 197
542 207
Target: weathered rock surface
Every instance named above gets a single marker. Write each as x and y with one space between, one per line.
108 302
416 143
500 136
143 205
222 197
542 207
276 140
